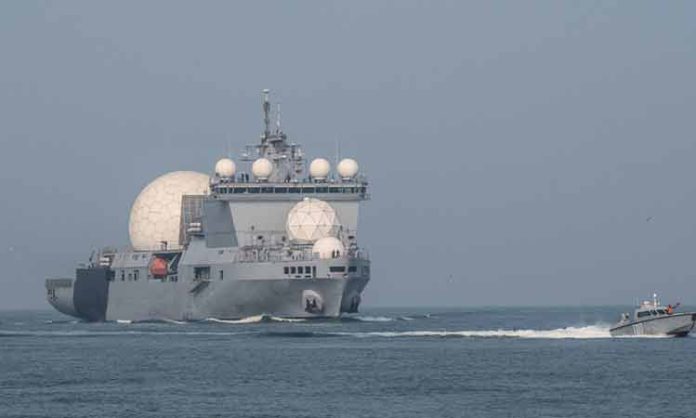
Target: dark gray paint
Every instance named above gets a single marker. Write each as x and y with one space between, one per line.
218 224
91 291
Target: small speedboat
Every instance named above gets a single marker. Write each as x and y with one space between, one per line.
651 318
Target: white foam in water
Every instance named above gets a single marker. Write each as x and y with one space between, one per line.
124 321
254 319
373 318
172 321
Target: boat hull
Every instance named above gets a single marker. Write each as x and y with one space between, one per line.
676 325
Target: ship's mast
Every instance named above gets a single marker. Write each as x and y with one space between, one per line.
266 116
287 158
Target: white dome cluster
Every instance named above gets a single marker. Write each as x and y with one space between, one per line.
225 168
155 214
347 169
311 220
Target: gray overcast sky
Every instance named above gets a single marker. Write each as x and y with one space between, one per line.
515 149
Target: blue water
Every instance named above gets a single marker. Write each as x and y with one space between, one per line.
503 362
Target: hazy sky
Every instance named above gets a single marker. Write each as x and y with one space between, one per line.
518 152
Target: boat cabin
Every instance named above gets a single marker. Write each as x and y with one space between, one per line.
647 310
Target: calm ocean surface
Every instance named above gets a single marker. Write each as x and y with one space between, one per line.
498 362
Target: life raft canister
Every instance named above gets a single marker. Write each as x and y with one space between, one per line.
158 267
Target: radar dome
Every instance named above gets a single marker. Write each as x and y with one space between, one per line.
328 247
155 214
311 220
225 168
347 168
319 168
262 168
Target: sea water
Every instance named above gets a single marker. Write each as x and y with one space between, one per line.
483 362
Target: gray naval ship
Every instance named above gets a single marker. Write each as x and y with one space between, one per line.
653 319
277 238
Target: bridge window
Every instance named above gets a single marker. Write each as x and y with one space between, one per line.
123 275
222 274
293 270
286 270
281 189
352 269
337 269
239 190
135 275
201 273
643 314
299 270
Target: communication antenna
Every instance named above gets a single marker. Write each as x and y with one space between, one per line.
266 114
338 152
278 117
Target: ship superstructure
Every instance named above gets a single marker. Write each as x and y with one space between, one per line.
275 238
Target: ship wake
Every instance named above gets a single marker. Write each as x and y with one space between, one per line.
256 319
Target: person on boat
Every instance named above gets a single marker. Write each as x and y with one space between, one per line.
670 309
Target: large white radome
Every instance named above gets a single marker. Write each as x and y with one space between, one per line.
311 220
156 212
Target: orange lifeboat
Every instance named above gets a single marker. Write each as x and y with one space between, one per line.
158 267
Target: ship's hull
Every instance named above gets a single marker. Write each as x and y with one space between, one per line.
240 298
196 300
677 325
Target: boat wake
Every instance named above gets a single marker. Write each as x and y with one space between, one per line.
587 332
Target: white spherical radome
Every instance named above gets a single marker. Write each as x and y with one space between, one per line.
225 168
328 247
347 168
262 168
319 168
155 214
311 220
